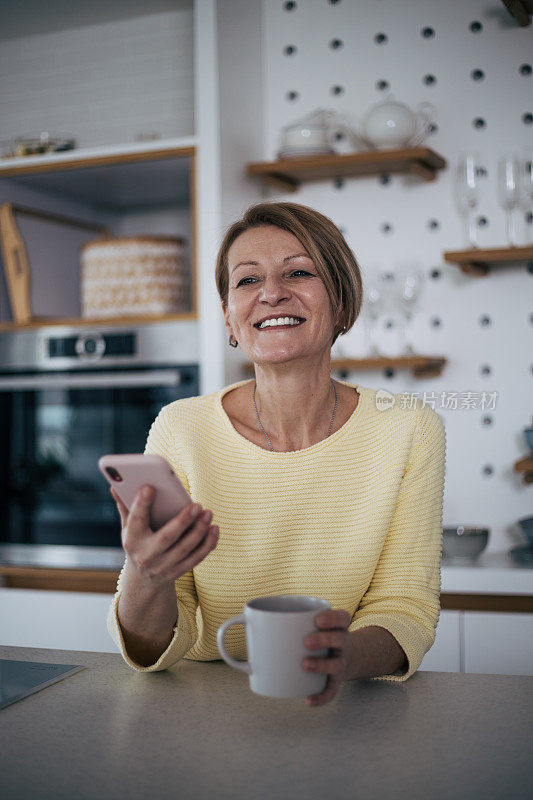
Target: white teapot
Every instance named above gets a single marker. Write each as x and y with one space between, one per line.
390 124
313 134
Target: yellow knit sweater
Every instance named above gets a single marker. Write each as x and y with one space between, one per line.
355 519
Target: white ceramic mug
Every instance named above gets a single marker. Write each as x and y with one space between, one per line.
276 627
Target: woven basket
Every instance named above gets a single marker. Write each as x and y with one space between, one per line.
133 275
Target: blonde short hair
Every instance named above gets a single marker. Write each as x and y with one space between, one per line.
334 261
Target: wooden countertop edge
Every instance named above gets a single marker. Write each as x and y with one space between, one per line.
105 582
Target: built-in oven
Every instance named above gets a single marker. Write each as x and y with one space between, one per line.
66 398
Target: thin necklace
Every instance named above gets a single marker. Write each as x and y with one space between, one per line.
266 434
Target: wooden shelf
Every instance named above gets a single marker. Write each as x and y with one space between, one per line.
477 261
525 465
421 366
287 174
143 174
88 322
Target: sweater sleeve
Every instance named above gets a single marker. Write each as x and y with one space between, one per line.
185 633
404 594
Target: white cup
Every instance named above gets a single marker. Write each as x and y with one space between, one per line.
276 627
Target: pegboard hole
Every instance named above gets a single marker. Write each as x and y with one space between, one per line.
382 85
487 421
475 27
388 373
482 222
338 183
485 321
479 123
385 179
525 69
530 267
336 90
435 274
433 224
527 118
436 322
290 50
427 33
292 96
477 75
289 6
429 80
488 469
381 38
386 227
433 128
485 370
529 218
336 44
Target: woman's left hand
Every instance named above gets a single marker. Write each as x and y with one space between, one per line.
333 633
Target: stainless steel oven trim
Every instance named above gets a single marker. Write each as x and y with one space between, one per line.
62 556
175 343
94 380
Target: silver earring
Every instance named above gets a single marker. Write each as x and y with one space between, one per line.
233 344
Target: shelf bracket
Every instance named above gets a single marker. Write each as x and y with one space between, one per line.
281 182
422 170
474 268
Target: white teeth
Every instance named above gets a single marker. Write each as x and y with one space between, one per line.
280 321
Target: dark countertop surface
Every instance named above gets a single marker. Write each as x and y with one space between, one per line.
197 731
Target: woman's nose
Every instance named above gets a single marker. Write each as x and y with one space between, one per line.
273 289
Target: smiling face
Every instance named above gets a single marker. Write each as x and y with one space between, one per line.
277 279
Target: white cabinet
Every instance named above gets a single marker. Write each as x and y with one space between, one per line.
62 620
498 643
445 655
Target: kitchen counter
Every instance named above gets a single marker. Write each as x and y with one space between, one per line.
490 573
197 731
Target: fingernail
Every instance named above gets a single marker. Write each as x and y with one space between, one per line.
195 510
147 492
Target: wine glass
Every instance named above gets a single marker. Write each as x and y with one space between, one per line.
372 304
509 192
467 191
389 326
526 180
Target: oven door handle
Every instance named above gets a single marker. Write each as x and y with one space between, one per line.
91 381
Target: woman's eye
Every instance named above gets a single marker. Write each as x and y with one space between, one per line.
243 281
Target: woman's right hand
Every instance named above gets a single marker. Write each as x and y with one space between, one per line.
162 556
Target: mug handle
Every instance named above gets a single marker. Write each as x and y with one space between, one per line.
244 666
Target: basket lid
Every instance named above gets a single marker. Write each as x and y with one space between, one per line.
107 240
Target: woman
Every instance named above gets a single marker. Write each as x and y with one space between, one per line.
315 489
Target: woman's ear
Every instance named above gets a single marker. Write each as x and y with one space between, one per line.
227 323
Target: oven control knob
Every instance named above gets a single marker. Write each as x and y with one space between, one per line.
90 347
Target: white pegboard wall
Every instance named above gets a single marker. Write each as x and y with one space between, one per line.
473 63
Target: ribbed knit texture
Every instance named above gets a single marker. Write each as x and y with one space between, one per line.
355 519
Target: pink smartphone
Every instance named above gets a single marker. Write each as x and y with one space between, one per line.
128 472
